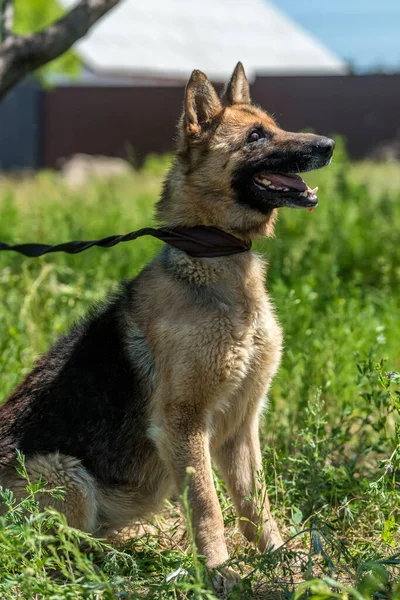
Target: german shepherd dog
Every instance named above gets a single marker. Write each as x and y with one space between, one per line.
173 371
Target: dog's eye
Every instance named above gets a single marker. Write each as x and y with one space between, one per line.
254 136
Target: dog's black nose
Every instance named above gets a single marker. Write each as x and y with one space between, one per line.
324 146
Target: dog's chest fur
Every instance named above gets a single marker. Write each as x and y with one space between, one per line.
212 334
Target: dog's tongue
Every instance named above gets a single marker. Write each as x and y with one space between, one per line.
292 181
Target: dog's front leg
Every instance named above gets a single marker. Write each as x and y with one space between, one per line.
183 442
239 459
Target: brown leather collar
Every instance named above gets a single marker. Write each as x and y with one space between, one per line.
202 241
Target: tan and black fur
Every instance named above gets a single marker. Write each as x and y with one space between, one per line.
174 370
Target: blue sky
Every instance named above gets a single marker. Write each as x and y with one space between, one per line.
365 31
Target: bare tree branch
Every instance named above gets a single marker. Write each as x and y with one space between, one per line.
7 19
20 55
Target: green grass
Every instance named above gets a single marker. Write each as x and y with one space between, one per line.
331 438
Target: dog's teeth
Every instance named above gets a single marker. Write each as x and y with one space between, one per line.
279 188
266 181
315 190
305 194
285 189
272 187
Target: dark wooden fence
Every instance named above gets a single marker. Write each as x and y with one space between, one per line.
120 121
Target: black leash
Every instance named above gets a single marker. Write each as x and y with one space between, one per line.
199 242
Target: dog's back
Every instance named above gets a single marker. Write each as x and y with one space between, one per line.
85 398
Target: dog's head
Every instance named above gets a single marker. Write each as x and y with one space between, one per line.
235 166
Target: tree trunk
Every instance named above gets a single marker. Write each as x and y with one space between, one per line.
20 55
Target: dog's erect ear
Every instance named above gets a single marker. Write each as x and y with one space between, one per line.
238 90
201 103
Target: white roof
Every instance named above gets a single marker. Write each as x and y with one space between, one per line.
170 38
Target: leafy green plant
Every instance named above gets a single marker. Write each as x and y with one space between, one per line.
41 556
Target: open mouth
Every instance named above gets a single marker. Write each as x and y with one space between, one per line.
288 189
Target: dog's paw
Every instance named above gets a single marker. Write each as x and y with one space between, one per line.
270 538
276 540
224 580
